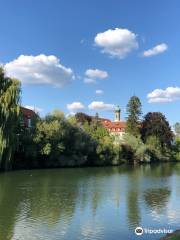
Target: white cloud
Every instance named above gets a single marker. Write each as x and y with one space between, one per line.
155 50
89 81
169 94
34 108
92 75
40 69
118 42
96 74
101 106
99 91
75 107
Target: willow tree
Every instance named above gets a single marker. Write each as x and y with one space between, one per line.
9 112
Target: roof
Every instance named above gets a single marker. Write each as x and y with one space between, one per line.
101 119
108 124
27 112
114 126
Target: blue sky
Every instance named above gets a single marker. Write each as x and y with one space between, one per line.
130 47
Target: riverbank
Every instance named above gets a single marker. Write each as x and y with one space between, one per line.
123 164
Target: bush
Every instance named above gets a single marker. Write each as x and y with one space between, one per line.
134 150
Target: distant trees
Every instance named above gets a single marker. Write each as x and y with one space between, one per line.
62 142
177 129
176 147
135 150
106 152
134 113
79 140
156 125
57 141
150 139
50 136
9 111
82 117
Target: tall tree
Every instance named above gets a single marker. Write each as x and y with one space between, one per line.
134 112
155 124
9 111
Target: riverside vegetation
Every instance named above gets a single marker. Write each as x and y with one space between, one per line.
80 140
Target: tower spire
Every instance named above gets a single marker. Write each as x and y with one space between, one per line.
117 112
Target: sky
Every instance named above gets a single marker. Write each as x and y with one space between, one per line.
90 55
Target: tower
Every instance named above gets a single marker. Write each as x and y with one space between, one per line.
117 114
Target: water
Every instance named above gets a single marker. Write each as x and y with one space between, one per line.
89 203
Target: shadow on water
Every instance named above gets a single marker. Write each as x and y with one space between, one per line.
49 203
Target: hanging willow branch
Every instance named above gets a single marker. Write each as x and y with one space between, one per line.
9 112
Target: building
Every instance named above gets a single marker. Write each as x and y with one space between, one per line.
116 127
27 116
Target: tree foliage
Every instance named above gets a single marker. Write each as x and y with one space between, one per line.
177 129
9 111
61 142
80 140
156 125
26 149
134 112
176 149
82 117
135 150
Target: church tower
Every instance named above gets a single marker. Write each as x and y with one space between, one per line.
117 114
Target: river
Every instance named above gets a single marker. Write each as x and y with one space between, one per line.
105 203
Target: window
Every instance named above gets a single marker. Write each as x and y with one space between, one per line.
29 122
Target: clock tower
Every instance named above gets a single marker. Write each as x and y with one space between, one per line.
117 112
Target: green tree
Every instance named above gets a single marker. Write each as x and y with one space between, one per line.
134 112
26 151
9 111
61 142
176 149
82 117
156 125
177 129
135 150
49 137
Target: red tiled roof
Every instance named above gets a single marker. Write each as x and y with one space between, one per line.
105 120
114 126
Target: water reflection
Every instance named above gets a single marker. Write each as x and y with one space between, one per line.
157 199
133 210
103 203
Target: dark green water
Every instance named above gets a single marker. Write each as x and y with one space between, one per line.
89 203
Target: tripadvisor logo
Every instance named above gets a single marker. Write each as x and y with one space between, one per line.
139 231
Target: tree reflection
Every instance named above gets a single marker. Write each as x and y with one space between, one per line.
157 199
9 206
133 210
159 170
